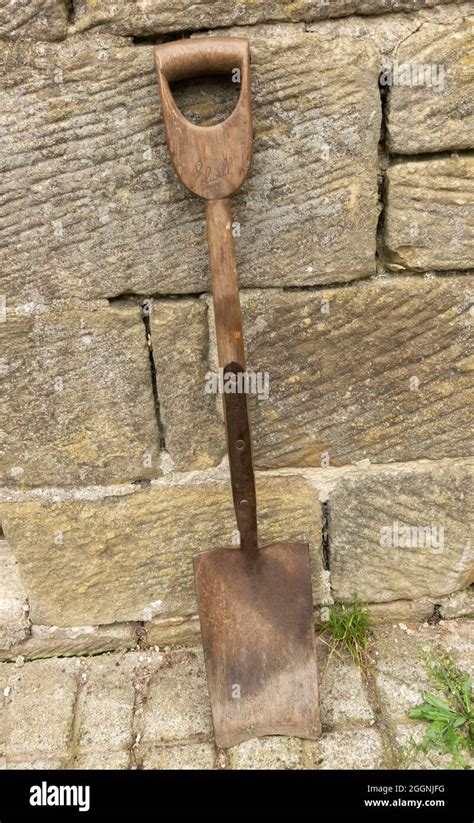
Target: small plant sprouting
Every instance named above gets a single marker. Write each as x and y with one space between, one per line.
451 729
349 626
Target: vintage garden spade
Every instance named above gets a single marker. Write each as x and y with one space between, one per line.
255 603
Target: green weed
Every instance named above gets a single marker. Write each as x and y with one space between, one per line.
349 626
451 720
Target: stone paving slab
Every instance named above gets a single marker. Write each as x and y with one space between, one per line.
192 756
351 750
149 709
178 706
39 700
344 700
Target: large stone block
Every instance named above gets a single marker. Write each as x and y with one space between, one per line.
432 110
94 209
14 624
308 211
77 400
52 641
33 19
429 218
402 533
130 557
377 371
194 434
145 17
388 31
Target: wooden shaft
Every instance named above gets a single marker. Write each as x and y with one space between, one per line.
225 285
230 346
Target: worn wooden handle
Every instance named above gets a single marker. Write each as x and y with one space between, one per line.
211 161
201 55
225 284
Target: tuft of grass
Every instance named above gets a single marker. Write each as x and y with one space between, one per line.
451 720
349 626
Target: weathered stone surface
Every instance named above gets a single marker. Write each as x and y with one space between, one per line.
151 710
398 696
178 706
106 706
100 760
129 557
93 208
173 630
267 753
43 689
192 756
309 209
343 697
77 401
457 638
377 371
361 749
458 604
52 641
371 555
388 31
194 437
34 763
437 113
14 623
429 218
144 17
411 610
33 19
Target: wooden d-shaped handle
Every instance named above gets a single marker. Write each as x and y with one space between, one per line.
211 161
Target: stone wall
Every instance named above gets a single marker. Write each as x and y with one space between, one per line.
355 244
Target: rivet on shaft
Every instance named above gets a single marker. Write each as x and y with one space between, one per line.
239 444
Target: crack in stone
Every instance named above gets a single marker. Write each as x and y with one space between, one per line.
382 724
75 728
325 535
146 311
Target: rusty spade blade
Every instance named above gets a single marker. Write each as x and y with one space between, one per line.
258 638
255 603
